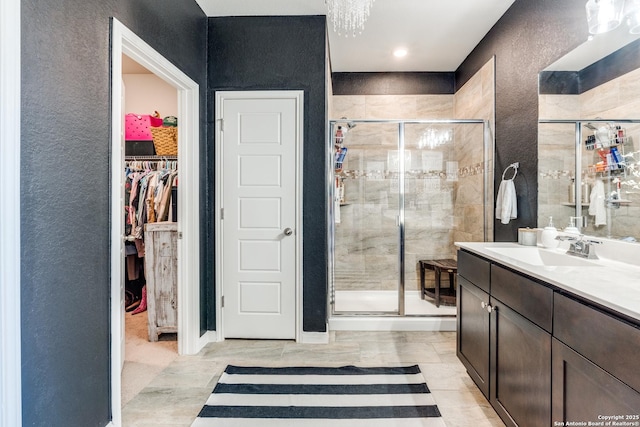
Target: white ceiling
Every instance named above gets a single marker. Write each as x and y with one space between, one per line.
438 34
594 49
129 66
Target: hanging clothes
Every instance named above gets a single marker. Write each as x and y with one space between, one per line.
149 186
148 198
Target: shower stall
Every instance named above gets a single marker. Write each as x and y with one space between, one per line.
403 191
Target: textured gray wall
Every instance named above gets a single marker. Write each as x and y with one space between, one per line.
392 83
531 35
65 191
272 53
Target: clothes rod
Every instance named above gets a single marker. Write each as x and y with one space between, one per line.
152 158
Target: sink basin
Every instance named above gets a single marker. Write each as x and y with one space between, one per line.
543 257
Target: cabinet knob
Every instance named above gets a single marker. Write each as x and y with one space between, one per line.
487 306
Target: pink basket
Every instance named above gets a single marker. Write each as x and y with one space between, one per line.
136 127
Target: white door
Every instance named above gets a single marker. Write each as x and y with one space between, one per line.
259 145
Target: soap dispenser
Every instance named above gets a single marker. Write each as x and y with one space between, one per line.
548 235
571 228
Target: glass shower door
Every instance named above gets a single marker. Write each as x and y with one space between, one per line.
405 191
366 209
443 203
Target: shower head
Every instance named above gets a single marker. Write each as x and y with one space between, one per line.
350 125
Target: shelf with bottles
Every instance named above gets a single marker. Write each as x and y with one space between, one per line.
339 149
608 144
608 162
605 135
340 154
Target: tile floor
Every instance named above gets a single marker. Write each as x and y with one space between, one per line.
171 391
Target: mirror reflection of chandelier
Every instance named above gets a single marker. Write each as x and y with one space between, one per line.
606 15
348 16
432 138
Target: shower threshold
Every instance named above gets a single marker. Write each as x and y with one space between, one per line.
359 312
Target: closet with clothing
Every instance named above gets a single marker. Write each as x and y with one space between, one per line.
150 199
151 192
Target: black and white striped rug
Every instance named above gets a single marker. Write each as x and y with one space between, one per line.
328 397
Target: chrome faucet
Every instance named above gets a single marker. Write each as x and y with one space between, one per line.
580 246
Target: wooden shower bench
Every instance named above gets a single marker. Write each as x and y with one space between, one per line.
445 295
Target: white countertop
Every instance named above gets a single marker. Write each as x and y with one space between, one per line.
612 284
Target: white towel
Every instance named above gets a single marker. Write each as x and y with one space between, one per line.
596 203
506 203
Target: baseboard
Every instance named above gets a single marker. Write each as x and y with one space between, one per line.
315 337
206 338
111 424
428 324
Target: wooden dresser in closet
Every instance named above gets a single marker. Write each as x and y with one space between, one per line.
161 269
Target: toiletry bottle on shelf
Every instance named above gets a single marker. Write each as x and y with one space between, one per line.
548 236
572 191
571 228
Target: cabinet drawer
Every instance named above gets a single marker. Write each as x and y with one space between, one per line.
531 299
474 269
608 342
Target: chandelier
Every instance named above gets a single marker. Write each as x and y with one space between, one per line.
433 138
348 16
607 15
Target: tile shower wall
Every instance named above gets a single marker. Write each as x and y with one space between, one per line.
475 100
618 98
443 186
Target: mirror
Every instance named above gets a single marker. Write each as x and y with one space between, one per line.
589 138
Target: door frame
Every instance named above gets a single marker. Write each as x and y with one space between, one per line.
124 41
10 344
220 97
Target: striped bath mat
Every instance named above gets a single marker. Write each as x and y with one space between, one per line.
328 397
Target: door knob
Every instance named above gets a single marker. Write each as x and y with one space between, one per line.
288 231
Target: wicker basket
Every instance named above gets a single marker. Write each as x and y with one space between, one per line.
165 140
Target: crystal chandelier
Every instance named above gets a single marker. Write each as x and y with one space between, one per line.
603 15
606 15
433 138
348 16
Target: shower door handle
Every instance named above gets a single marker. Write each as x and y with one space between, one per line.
288 231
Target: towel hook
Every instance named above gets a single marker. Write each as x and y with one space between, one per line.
515 167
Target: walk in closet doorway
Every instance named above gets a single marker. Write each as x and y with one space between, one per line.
151 224
166 220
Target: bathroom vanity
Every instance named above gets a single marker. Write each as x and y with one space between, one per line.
550 338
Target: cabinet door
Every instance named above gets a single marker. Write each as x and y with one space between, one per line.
473 333
608 342
520 378
583 392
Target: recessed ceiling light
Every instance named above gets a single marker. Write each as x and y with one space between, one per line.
400 52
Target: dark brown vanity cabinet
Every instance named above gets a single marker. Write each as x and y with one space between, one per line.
596 368
504 340
542 357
